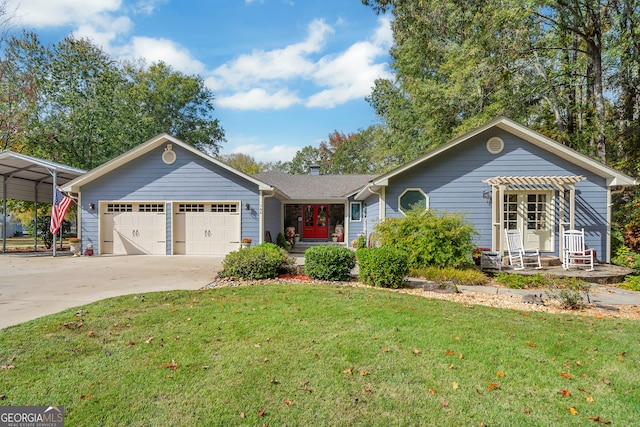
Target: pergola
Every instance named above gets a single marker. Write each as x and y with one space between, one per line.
562 184
33 180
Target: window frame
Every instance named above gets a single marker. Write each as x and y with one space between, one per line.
419 190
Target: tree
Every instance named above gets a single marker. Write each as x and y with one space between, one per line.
303 160
169 101
243 163
78 106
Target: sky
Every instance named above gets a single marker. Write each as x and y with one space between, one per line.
285 73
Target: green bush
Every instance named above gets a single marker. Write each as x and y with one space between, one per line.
627 258
519 281
631 283
329 262
464 276
362 241
264 261
429 238
384 267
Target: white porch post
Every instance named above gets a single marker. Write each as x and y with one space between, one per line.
572 206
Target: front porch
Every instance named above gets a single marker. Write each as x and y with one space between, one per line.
551 265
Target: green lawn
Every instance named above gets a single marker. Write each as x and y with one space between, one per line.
305 355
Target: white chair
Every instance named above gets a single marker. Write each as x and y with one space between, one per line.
519 258
575 254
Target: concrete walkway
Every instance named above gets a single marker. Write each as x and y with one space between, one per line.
33 285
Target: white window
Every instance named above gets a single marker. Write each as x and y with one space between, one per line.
411 198
355 212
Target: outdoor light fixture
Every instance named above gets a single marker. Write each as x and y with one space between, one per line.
91 206
486 194
247 206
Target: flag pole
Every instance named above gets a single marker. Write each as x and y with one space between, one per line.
55 187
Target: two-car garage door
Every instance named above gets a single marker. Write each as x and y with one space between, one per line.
198 228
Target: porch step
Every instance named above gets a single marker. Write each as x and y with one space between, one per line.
301 247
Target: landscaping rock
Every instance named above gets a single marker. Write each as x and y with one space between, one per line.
533 299
442 288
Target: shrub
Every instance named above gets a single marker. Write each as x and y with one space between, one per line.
627 258
329 262
281 241
631 283
518 281
264 261
569 291
429 238
362 241
384 267
466 276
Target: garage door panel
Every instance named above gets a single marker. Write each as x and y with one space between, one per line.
133 228
209 228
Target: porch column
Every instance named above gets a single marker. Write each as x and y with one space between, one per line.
572 206
500 220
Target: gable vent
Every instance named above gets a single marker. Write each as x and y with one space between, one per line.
495 145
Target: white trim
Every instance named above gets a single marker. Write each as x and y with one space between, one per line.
351 205
144 148
613 177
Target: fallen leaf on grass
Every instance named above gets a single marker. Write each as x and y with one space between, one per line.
7 367
364 373
493 386
173 365
348 371
445 404
572 410
257 345
261 413
432 391
367 389
621 356
242 415
130 343
531 344
565 375
584 390
416 351
500 374
287 402
590 399
455 385
578 363
526 411
87 397
606 381
565 392
449 352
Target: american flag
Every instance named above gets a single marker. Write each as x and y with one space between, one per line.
58 210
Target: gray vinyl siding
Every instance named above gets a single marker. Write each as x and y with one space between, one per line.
453 182
355 227
371 214
272 217
190 178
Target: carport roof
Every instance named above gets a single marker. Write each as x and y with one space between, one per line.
22 173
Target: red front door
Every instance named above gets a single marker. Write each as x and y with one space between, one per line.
315 224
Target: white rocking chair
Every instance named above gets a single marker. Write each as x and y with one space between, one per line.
519 258
575 254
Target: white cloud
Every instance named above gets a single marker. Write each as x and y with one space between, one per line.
259 99
262 153
154 50
263 79
48 13
278 64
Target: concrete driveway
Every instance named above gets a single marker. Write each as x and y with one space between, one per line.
32 286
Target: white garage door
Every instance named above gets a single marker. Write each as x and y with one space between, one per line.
133 228
206 228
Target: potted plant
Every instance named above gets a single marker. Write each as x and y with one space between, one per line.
75 245
296 238
246 242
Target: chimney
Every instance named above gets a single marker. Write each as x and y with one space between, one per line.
314 170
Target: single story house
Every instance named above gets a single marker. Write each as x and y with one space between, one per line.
165 197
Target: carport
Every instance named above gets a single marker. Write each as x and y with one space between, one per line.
33 180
